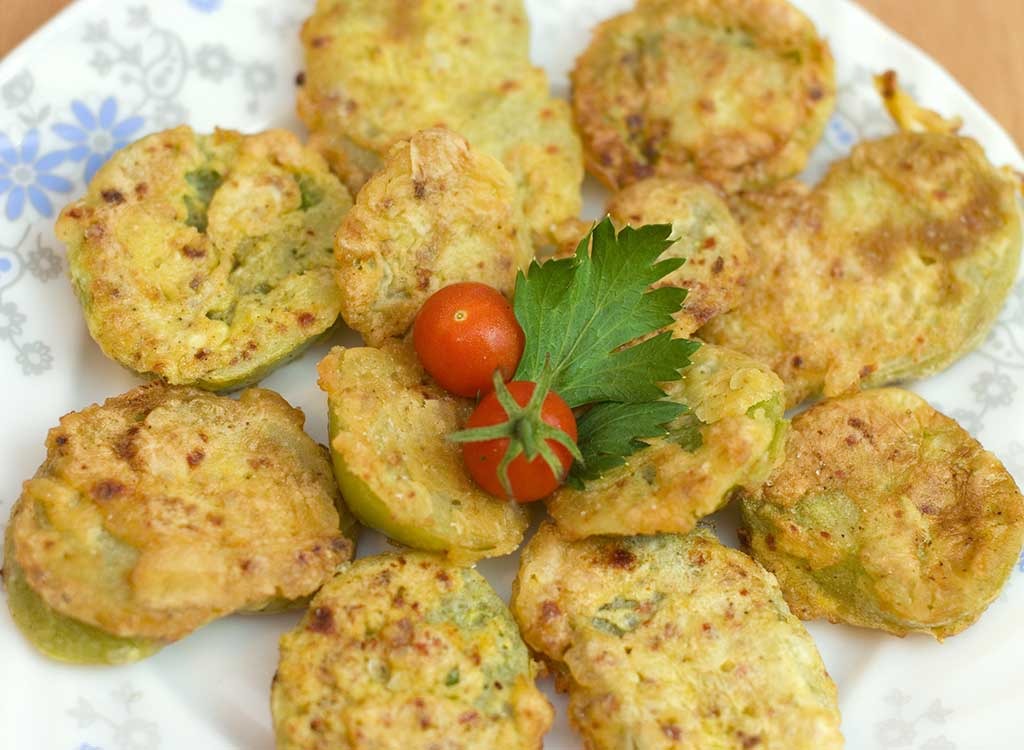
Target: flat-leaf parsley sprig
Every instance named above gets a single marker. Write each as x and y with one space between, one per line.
592 326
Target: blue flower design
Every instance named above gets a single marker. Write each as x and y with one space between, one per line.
840 131
96 137
87 746
206 6
26 175
1020 562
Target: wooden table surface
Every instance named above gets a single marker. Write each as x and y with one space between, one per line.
974 39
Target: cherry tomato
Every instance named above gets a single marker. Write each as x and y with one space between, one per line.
463 333
530 480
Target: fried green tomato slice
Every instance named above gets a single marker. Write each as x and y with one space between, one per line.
405 651
893 267
399 474
735 91
380 70
888 515
438 212
732 435
165 508
207 259
673 641
718 261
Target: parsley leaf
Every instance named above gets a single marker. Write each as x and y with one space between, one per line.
591 324
611 431
579 314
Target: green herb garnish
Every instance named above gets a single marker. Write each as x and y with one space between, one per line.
592 327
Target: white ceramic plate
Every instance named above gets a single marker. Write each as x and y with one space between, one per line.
107 71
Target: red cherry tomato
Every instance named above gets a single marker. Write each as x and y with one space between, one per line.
530 480
463 333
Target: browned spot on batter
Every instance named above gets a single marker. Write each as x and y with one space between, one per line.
193 252
306 319
300 78
769 541
867 370
115 197
321 41
621 557
423 276
549 611
718 265
107 489
641 170
672 731
321 620
195 457
419 189
141 189
797 361
75 213
201 354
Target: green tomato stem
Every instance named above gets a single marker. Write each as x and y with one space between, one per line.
525 429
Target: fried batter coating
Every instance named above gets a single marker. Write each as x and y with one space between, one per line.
893 267
673 641
886 514
438 212
732 436
735 91
718 260
399 474
163 509
206 259
407 652
381 70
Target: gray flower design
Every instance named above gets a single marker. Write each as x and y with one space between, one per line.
897 732
35 358
11 321
44 264
993 389
167 114
904 728
213 61
138 16
101 62
96 32
258 77
137 734
17 90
